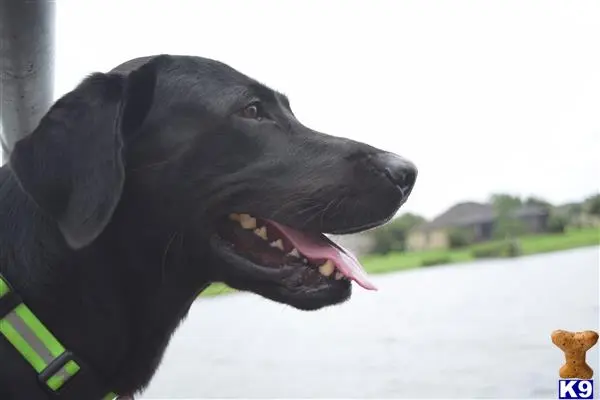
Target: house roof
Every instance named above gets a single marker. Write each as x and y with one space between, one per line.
468 213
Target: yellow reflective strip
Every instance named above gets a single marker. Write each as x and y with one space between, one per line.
43 334
3 287
55 382
22 346
48 340
72 367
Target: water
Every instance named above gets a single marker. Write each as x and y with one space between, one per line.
474 330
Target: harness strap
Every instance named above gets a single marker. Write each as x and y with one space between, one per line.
48 357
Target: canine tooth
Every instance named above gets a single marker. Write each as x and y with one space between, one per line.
247 222
261 232
278 243
294 253
327 268
338 275
234 217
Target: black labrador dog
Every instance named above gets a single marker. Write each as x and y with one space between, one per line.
144 185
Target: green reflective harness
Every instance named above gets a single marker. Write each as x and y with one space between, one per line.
53 363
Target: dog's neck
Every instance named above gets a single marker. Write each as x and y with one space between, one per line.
126 292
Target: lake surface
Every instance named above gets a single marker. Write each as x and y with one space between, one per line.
474 330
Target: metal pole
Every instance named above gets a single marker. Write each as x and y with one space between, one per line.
26 65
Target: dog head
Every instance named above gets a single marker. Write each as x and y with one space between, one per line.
190 145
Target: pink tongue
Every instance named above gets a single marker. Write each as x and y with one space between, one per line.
320 248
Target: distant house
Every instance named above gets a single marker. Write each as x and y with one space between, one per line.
477 219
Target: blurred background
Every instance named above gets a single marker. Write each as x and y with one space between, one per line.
498 104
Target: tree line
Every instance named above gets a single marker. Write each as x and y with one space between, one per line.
393 236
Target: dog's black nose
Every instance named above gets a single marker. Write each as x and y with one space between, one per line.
400 171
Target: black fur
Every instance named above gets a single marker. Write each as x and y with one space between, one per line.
109 206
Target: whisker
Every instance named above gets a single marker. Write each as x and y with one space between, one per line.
324 211
291 203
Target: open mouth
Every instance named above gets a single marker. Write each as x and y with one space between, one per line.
290 256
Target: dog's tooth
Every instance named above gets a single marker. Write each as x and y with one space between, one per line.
234 217
338 275
294 253
278 244
247 221
261 232
327 268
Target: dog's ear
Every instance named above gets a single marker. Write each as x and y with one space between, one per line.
72 164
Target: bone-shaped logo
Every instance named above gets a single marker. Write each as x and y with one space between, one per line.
575 345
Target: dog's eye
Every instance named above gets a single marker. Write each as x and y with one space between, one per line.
253 111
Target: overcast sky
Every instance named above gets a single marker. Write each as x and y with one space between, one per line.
484 96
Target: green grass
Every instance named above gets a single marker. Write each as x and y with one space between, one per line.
569 240
533 244
375 264
216 289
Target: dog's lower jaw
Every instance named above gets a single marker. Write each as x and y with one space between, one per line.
283 285
300 299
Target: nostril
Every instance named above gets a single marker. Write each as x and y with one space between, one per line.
403 179
399 171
